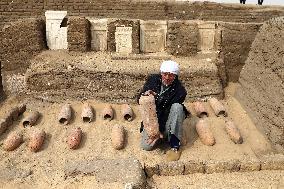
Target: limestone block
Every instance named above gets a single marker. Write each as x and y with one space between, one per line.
250 165
151 169
222 166
272 162
109 170
99 34
153 36
207 36
123 40
191 167
171 168
56 36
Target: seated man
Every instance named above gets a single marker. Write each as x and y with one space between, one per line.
169 95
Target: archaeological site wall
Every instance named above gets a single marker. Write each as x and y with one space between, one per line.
185 26
262 88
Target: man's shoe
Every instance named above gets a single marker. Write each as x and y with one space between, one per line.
173 154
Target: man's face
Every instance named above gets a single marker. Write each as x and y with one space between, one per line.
167 78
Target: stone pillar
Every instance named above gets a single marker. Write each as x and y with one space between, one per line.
206 37
153 36
99 34
123 40
56 35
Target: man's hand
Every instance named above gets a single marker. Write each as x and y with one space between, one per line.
149 92
152 140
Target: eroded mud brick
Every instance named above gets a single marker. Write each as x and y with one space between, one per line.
204 132
22 108
127 112
13 141
13 113
233 132
250 165
65 114
200 109
222 166
31 119
149 115
87 113
218 107
171 168
3 126
107 112
192 166
272 162
118 137
151 169
36 139
74 138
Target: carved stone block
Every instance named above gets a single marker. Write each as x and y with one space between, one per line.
99 34
153 36
56 36
123 40
207 36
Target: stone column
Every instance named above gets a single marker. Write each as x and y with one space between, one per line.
123 40
99 34
56 36
207 33
153 36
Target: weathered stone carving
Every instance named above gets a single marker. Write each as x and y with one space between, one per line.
153 36
123 40
99 34
207 36
56 36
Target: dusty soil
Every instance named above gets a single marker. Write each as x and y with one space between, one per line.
45 169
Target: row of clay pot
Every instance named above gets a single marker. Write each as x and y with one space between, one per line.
10 116
216 105
15 139
87 114
117 137
203 128
206 136
37 136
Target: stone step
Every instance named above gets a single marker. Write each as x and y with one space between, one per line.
256 179
114 79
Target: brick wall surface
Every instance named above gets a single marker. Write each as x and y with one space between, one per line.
78 34
19 41
236 43
182 38
11 10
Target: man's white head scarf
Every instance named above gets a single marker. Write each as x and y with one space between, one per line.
170 67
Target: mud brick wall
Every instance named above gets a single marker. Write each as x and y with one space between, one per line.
111 45
78 34
1 85
261 80
11 10
235 46
182 38
20 41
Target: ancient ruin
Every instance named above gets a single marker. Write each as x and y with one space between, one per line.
71 72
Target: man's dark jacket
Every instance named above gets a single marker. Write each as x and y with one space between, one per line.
175 94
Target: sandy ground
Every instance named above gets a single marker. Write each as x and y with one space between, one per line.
45 169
